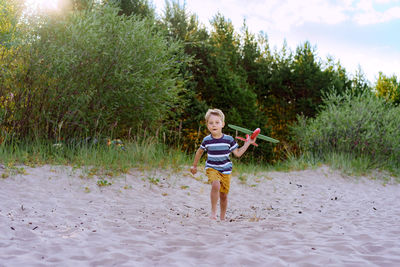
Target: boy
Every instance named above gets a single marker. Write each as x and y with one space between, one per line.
218 165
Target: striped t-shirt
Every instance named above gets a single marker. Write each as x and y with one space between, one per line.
218 151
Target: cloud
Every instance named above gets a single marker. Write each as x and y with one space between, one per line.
386 1
284 15
273 14
288 14
338 27
369 15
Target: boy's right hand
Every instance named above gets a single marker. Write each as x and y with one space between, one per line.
193 169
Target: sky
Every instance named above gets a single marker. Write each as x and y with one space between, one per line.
362 33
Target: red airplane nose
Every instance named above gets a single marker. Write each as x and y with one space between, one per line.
255 133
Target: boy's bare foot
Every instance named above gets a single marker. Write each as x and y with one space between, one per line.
213 216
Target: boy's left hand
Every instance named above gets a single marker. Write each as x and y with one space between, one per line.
249 140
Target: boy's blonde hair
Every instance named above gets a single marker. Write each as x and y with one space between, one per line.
216 112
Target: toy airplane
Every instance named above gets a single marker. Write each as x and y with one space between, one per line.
254 134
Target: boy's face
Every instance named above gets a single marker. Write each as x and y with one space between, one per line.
215 125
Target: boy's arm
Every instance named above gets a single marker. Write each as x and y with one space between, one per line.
238 152
197 157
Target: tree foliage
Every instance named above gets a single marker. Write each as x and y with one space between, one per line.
92 74
388 88
10 11
114 68
141 8
362 125
215 77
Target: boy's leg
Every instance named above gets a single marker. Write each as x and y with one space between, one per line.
214 195
223 202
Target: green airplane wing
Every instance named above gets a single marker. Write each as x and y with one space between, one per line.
249 132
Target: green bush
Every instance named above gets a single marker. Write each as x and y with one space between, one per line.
90 73
363 126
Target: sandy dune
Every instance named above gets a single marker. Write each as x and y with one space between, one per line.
56 216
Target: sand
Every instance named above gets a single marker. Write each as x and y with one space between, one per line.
59 216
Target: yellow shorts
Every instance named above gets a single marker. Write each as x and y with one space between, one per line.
224 179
